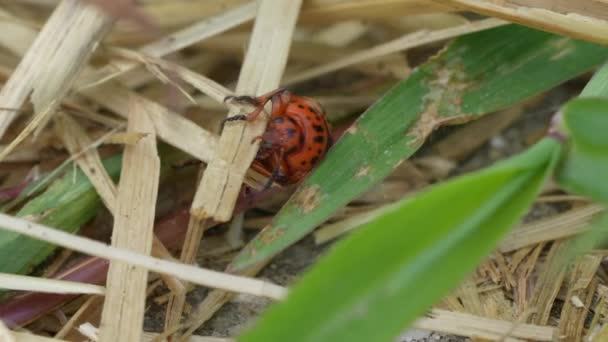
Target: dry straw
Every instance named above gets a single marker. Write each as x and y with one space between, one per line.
75 29
192 274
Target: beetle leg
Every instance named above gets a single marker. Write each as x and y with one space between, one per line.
279 98
258 138
276 172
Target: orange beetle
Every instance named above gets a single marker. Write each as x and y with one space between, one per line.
298 136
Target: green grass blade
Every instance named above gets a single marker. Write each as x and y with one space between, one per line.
598 85
477 74
67 204
412 256
585 165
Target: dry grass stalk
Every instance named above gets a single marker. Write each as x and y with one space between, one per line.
341 34
52 62
469 296
522 288
78 144
26 283
169 126
223 178
207 86
260 73
480 327
581 19
570 223
77 318
189 273
17 29
595 327
201 30
57 263
581 284
160 251
306 52
331 11
88 114
598 329
169 14
124 138
89 331
141 78
496 305
405 42
123 314
548 284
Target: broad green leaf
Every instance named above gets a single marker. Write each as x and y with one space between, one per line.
585 165
476 74
381 278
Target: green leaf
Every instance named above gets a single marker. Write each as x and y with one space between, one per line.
586 122
585 165
476 74
598 85
67 204
381 278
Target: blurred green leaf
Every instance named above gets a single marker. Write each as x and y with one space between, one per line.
586 121
476 74
68 203
598 85
585 166
381 278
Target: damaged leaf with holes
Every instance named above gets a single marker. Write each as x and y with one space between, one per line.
475 75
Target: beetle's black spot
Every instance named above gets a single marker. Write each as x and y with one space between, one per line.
308 118
318 128
303 162
291 132
319 151
319 139
300 106
314 160
312 110
318 117
292 121
302 142
278 120
292 150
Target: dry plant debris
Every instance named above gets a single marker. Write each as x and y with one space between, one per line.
133 228
90 75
